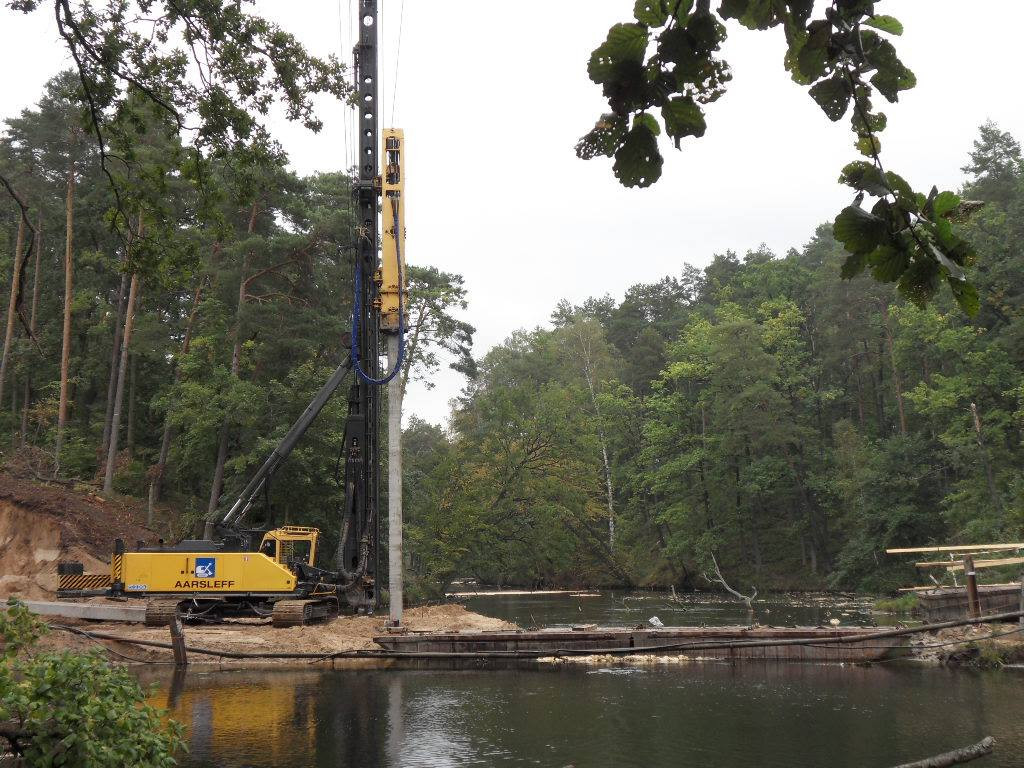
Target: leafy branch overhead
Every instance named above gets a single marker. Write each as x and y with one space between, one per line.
662 69
212 69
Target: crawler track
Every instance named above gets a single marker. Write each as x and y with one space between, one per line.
160 613
295 613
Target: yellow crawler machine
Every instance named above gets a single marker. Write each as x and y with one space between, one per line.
203 580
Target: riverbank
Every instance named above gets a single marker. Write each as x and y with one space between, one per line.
345 633
983 645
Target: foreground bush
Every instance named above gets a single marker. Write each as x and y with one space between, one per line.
73 709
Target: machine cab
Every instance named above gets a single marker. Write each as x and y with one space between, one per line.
290 544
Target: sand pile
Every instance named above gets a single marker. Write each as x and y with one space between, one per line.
41 524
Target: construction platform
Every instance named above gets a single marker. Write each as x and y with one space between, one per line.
949 603
800 644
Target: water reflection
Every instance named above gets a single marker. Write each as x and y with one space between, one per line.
700 714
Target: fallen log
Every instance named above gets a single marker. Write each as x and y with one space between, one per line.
956 757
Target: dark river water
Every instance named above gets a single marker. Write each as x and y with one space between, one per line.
696 714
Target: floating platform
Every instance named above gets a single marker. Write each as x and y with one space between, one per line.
950 603
802 644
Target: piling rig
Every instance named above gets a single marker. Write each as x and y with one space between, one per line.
271 571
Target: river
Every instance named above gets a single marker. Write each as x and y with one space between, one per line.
695 714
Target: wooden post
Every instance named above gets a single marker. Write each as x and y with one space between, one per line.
973 602
1020 619
178 643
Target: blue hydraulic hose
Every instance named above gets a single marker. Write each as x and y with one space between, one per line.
357 311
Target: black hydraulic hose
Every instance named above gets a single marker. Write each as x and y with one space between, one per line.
693 646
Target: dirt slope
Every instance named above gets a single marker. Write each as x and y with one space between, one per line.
42 523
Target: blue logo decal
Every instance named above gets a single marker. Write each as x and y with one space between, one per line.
206 567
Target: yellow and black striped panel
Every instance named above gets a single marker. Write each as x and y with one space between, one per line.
117 567
67 582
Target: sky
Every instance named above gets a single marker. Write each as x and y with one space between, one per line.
493 96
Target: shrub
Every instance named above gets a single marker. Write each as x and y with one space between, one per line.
74 709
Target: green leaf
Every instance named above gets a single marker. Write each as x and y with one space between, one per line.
753 14
625 43
858 230
604 139
869 122
648 122
865 177
814 53
832 95
683 117
966 295
892 76
944 203
920 281
885 23
653 13
853 265
904 192
680 9
951 266
638 161
888 263
869 146
733 9
706 32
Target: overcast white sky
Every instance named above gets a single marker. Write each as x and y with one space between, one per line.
492 97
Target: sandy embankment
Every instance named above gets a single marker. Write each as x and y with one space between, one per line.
346 633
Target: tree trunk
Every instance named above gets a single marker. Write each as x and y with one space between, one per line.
12 304
130 433
956 756
709 521
65 352
983 451
157 475
115 355
217 486
411 344
606 464
895 371
32 327
860 402
115 423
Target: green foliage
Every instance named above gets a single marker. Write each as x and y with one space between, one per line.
75 709
751 409
666 63
904 604
252 228
19 629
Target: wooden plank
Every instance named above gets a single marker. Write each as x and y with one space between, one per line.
957 548
953 565
930 587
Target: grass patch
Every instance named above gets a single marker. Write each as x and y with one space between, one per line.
902 604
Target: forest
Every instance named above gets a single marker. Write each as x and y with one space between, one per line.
763 409
163 332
